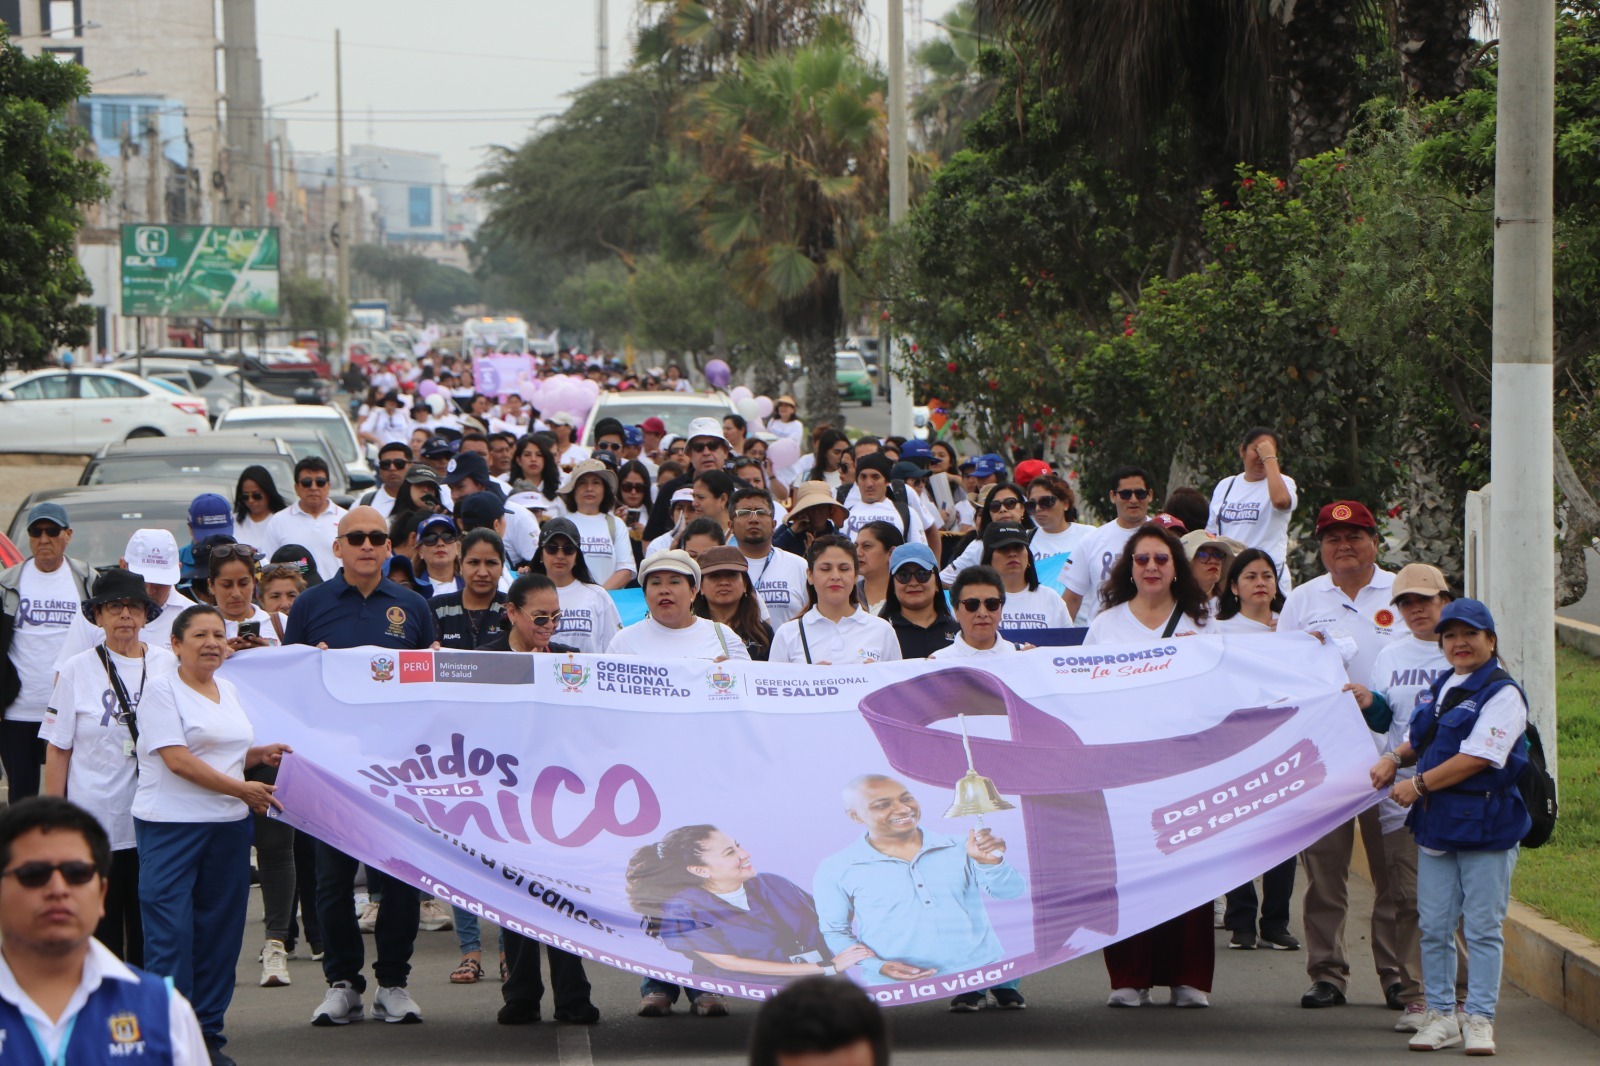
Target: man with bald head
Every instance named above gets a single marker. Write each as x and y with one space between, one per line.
911 895
359 607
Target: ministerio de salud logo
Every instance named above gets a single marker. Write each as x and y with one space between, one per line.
572 675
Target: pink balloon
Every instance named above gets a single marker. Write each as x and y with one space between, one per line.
740 392
764 407
783 452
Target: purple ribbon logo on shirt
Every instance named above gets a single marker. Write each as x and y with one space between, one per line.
1060 779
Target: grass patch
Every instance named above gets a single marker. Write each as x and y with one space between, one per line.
1562 879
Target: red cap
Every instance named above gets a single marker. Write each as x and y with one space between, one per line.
654 425
1029 469
1345 513
1166 521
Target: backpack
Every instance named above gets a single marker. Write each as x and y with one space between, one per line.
1538 790
897 496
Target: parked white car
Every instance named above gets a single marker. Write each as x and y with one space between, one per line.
331 422
81 411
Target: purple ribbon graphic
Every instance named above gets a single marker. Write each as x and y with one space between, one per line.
1060 779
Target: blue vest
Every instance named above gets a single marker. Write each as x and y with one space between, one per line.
1485 812
122 1022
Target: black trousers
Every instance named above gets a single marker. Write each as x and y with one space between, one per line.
568 983
1277 889
22 753
121 929
304 906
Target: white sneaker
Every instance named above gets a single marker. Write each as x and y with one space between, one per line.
1129 997
1411 1020
340 1006
274 965
367 917
435 917
395 1005
1438 1031
1219 910
1188 996
1479 1032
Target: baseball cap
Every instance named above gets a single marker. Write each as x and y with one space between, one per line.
437 448
465 465
153 555
1345 513
912 555
683 495
1472 612
725 557
632 436
48 512
1419 579
904 471
968 465
560 527
1029 469
708 427
653 425
421 474
562 418
984 466
1166 521
436 520
481 510
916 451
210 514
672 561
1000 534
297 556
996 458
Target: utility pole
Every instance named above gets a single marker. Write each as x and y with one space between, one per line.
1521 510
602 39
342 247
899 199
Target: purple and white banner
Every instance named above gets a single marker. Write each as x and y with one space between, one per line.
731 826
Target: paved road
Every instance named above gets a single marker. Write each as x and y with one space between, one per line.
1256 1018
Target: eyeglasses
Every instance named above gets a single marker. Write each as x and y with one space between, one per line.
907 574
1007 504
541 620
432 539
990 604
38 874
44 531
1042 503
606 446
392 464
223 552
120 606
376 538
1161 558
752 512
705 445
1131 494
318 482
560 547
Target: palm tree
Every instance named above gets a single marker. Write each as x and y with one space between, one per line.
1434 38
696 40
957 92
792 179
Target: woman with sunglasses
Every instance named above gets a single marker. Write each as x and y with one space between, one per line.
191 816
589 498
86 753
875 543
1028 605
589 616
1254 507
231 581
835 629
915 605
1053 506
828 460
255 500
1003 502
436 560
535 478
727 596
635 495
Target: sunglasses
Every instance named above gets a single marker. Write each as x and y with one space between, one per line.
44 531
38 874
393 464
1131 494
318 482
376 538
1210 555
560 547
990 604
607 446
282 569
752 512
1143 558
541 620
223 552
907 574
1042 503
432 539
261 495
1007 504
705 446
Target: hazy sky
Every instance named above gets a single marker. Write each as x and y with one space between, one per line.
427 76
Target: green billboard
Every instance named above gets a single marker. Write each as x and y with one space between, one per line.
211 271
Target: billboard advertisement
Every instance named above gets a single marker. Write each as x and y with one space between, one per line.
212 271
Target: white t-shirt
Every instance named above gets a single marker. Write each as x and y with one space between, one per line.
1403 671
1369 622
389 429
1091 564
1501 722
589 619
46 607
268 634
1119 626
1040 609
971 555
1240 624
254 533
382 502
316 535
1243 510
575 454
698 640
522 534
858 637
84 634
794 430
606 548
862 514
960 649
780 580
218 734
86 719
1045 545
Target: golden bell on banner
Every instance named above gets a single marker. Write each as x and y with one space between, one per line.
975 794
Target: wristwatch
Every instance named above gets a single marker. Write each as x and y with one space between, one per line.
830 970
1395 755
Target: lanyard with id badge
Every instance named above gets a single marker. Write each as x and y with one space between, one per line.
129 719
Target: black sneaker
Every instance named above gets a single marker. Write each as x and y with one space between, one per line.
967 1002
1009 999
1279 940
1243 940
1323 994
1391 997
214 1050
582 1014
518 1013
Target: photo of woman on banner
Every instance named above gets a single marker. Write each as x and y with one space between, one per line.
701 894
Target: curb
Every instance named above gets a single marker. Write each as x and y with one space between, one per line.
1580 635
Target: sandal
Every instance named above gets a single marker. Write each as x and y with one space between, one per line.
468 972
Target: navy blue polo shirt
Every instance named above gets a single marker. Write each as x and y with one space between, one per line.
336 614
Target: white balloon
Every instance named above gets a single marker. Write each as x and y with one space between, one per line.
764 407
746 406
783 452
740 392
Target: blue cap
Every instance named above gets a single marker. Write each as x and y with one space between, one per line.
918 554
916 451
48 512
1470 612
437 448
987 467
633 436
209 515
465 465
996 458
435 520
968 464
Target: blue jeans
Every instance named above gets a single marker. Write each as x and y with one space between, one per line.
396 933
650 986
469 932
194 888
1473 888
